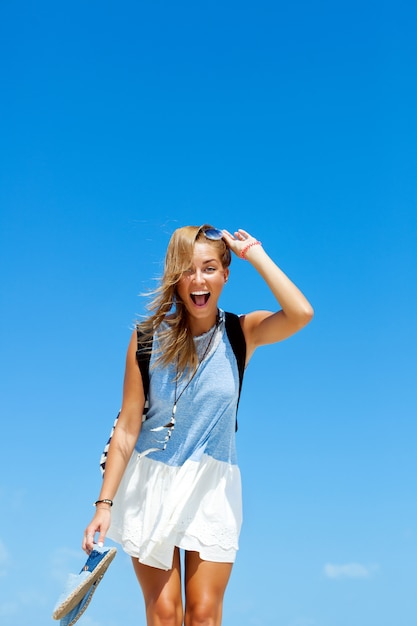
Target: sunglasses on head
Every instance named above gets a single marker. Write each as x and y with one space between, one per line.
215 234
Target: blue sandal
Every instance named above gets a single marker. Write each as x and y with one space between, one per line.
80 587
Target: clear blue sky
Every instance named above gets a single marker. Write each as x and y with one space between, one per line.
120 121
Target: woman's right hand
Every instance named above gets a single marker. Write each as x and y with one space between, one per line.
121 447
99 524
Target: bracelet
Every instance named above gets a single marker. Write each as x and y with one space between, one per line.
246 248
105 501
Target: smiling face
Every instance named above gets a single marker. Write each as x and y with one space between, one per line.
201 284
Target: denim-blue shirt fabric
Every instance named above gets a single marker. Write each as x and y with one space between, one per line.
205 415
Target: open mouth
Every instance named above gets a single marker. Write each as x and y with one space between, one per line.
200 298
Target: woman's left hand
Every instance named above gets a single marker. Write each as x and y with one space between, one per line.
239 241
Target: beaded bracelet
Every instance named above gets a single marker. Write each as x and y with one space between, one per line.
246 248
105 501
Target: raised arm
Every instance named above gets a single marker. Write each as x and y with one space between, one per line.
121 446
264 327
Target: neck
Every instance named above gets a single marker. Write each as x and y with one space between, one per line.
199 327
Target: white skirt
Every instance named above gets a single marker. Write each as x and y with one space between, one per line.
197 506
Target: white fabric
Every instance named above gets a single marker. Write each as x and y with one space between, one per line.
195 506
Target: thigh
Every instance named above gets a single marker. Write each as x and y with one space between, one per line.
205 584
161 592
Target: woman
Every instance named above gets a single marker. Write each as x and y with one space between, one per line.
173 478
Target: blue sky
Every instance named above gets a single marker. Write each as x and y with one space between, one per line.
296 121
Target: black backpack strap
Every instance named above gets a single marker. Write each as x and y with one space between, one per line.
143 357
238 343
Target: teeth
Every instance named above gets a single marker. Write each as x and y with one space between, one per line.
199 293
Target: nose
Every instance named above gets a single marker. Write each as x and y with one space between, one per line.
198 276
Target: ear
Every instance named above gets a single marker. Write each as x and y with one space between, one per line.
226 274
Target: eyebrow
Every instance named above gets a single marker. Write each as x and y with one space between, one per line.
207 261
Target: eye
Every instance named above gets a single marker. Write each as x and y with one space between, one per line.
210 269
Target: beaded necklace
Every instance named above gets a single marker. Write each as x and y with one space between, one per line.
171 424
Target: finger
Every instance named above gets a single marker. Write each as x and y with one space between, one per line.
88 541
101 538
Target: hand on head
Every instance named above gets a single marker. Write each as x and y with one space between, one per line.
240 242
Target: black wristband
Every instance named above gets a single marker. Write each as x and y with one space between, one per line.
105 501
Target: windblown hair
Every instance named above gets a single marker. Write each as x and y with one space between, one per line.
176 340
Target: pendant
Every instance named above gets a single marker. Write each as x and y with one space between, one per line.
171 424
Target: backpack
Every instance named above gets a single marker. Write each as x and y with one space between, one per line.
238 343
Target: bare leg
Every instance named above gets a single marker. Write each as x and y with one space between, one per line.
162 592
205 584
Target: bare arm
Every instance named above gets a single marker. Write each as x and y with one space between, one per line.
264 327
121 446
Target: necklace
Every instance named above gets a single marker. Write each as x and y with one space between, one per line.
171 424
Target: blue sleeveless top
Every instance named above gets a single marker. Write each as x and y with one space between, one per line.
206 411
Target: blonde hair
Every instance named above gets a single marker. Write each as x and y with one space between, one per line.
176 340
